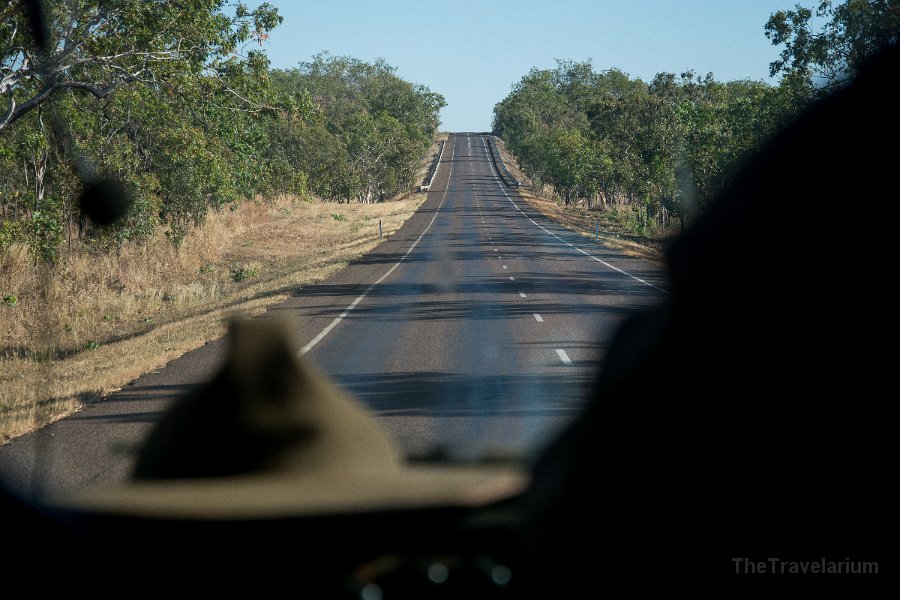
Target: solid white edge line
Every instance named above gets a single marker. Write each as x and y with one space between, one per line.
522 295
563 356
538 318
359 299
548 232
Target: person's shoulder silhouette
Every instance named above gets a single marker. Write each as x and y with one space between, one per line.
747 416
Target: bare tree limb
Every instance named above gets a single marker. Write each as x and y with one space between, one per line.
21 110
99 92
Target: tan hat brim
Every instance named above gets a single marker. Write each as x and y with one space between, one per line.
293 495
270 436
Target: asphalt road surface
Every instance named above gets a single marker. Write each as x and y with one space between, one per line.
473 332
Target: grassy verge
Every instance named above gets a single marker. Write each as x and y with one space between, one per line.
612 223
96 322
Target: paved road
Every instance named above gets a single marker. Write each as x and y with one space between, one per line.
473 331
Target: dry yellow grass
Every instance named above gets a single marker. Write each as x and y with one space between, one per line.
582 220
97 322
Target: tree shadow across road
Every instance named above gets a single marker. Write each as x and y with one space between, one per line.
436 415
445 394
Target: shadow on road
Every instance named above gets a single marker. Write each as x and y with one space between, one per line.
439 394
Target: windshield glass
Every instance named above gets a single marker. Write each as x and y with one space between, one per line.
457 209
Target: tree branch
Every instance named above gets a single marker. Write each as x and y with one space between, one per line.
99 92
70 45
19 111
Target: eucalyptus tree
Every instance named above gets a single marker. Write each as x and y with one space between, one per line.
96 47
655 147
167 96
368 128
851 32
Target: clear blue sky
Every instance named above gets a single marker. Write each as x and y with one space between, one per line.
473 51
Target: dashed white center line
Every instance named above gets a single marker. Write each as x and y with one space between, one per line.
539 319
505 267
563 356
495 249
512 278
522 295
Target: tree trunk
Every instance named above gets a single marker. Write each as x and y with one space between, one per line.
39 162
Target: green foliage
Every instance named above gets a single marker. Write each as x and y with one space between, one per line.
244 272
632 219
10 232
92 345
45 233
668 147
10 300
852 31
367 130
97 47
338 217
664 148
164 97
152 93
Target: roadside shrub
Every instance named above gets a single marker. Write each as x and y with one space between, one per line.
242 273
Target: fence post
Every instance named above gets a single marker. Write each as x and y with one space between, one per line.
379 229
